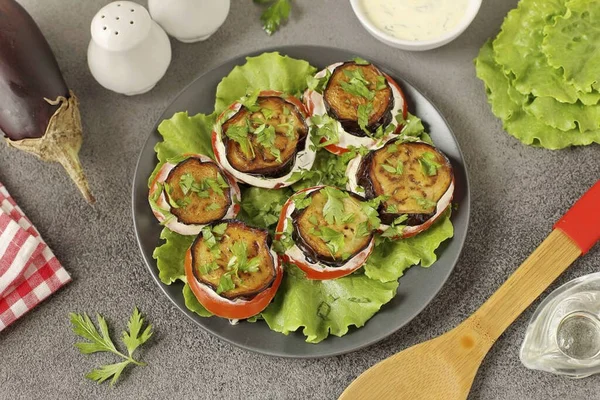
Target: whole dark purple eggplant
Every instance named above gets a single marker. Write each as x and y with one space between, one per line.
38 112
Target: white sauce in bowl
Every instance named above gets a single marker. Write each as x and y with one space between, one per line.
415 19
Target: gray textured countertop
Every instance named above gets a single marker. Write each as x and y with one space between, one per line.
518 193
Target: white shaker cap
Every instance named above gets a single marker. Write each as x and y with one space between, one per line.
120 25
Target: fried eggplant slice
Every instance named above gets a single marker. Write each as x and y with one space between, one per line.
191 192
326 232
234 259
317 237
263 140
351 86
415 179
273 134
199 190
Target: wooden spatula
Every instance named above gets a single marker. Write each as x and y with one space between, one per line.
444 368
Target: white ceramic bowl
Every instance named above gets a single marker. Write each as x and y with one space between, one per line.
417 45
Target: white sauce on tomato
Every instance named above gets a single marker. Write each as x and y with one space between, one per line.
347 139
415 19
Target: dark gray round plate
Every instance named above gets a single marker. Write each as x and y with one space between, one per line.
417 287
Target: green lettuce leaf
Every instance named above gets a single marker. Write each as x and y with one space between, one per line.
517 122
328 307
170 256
261 207
390 259
192 303
183 134
564 116
518 49
572 45
268 71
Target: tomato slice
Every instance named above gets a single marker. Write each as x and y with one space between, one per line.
232 309
391 81
318 271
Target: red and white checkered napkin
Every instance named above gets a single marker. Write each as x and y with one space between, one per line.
29 272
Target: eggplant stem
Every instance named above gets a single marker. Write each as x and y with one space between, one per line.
61 142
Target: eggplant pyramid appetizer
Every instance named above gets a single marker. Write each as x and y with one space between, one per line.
193 191
327 232
357 104
414 180
263 139
232 270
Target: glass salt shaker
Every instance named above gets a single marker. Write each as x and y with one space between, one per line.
563 336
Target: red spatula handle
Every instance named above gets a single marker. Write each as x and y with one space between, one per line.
582 222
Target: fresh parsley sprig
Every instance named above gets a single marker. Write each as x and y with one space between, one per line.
272 17
100 341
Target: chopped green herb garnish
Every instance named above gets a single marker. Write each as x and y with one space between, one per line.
285 241
188 184
400 220
374 203
363 229
265 136
333 239
324 127
423 202
153 200
392 148
301 201
225 283
391 209
239 134
219 229
212 207
239 262
396 170
169 192
364 111
313 220
381 83
333 210
209 237
372 214
392 232
267 112
323 310
360 61
357 87
250 101
348 218
428 164
319 84
206 269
